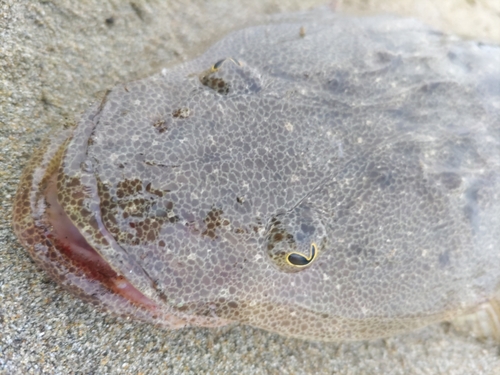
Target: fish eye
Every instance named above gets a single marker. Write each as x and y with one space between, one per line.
295 238
219 63
229 76
300 260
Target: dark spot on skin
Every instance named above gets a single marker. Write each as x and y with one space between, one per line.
110 21
181 113
213 220
278 233
161 126
217 84
127 188
151 190
278 237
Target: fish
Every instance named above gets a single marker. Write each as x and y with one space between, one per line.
330 178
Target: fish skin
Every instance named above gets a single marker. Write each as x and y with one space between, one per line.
375 139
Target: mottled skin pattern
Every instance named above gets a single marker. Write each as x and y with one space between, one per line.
366 147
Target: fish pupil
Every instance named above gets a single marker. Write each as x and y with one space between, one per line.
299 260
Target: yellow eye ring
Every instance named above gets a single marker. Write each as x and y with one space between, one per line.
300 260
219 63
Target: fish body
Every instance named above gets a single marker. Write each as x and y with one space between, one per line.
332 178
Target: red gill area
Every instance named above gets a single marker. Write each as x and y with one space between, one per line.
68 240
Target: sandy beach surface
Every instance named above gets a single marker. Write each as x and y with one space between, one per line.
55 55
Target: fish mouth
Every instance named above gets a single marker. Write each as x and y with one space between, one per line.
57 246
71 244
